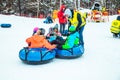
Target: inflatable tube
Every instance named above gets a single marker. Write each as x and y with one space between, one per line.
74 52
5 25
36 55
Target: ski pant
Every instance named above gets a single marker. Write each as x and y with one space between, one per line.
62 27
81 35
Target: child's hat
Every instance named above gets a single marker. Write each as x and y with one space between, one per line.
55 27
35 29
68 12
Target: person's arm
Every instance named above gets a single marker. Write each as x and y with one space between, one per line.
69 23
28 40
79 18
48 45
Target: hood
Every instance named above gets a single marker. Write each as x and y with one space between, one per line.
35 30
68 12
38 38
62 6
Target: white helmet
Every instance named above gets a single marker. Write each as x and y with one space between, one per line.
68 12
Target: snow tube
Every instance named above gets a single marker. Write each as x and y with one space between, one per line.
74 52
5 25
36 55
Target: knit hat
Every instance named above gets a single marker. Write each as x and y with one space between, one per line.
72 28
55 27
68 12
35 30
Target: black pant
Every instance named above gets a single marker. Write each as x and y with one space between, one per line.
59 41
62 27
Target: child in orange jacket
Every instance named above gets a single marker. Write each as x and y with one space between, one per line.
38 40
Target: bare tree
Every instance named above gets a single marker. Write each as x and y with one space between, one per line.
36 7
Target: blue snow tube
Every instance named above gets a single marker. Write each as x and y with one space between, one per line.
6 25
36 55
74 52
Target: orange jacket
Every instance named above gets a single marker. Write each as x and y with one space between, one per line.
37 41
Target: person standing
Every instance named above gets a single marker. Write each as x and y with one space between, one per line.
78 20
115 27
62 19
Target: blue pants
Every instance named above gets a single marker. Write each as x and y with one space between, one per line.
81 35
62 27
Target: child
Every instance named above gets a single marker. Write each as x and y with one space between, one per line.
115 27
55 30
38 40
50 36
54 36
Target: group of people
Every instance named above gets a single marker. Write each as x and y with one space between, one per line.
76 22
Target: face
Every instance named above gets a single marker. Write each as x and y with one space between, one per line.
38 32
55 30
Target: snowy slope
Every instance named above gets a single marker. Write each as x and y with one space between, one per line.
101 60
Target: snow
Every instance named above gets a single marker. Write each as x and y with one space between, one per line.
101 60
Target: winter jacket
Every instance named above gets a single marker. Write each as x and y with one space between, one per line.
115 27
55 12
71 41
77 19
61 17
39 41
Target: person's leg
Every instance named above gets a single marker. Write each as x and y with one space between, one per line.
115 35
119 35
60 28
63 27
81 35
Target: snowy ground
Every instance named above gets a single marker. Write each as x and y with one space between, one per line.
101 60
